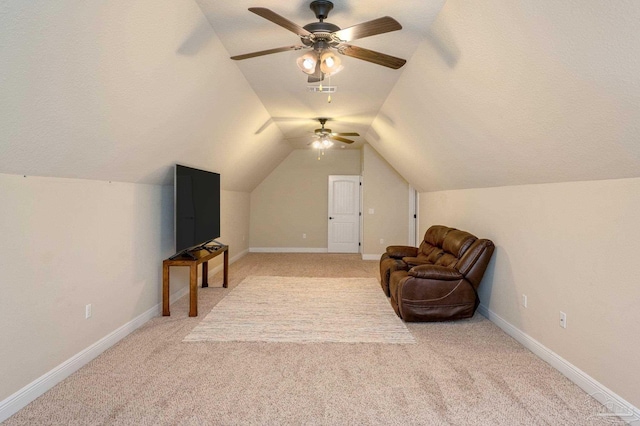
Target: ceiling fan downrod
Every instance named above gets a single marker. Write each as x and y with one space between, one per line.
321 8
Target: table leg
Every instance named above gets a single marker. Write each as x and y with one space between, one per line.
193 290
165 290
225 269
205 274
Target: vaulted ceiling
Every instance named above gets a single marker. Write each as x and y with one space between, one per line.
362 87
494 93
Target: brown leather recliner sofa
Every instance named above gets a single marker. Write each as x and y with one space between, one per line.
437 281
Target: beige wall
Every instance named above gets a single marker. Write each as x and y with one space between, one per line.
293 199
70 242
387 193
235 210
67 243
571 247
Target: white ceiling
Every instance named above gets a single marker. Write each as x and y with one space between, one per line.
494 93
282 87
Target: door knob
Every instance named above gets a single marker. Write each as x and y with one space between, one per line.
330 218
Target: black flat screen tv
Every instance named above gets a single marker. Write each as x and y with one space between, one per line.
197 207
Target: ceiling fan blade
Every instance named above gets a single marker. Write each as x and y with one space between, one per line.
338 138
267 52
369 28
279 20
371 56
346 134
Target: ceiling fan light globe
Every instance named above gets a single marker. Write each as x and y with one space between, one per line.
316 145
307 63
330 63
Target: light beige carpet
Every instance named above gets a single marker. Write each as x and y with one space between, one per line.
458 373
303 310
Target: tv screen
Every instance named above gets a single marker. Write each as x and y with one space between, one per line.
197 207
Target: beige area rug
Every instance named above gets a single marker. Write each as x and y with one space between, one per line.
303 310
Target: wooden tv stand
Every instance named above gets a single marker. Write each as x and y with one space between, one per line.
201 256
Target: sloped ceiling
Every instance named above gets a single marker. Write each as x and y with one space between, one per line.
518 92
494 92
122 91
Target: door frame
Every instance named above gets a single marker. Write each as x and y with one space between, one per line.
413 217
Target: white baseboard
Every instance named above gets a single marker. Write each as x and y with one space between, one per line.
237 256
33 390
287 250
371 256
614 403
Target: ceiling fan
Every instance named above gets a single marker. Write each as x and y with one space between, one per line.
324 38
326 135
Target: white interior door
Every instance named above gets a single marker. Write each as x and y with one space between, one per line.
344 214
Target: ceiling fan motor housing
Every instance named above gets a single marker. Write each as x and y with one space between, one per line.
321 8
321 27
321 38
322 130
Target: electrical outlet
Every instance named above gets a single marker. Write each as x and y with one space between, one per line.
87 311
563 320
304 235
381 240
371 211
524 300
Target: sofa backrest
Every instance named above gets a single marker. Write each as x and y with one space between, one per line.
453 248
445 246
431 246
436 234
475 260
455 244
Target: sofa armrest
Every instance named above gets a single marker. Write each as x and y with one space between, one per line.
435 272
398 252
415 261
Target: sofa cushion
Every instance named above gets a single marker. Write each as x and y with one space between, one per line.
399 252
457 242
435 255
413 261
435 235
447 259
